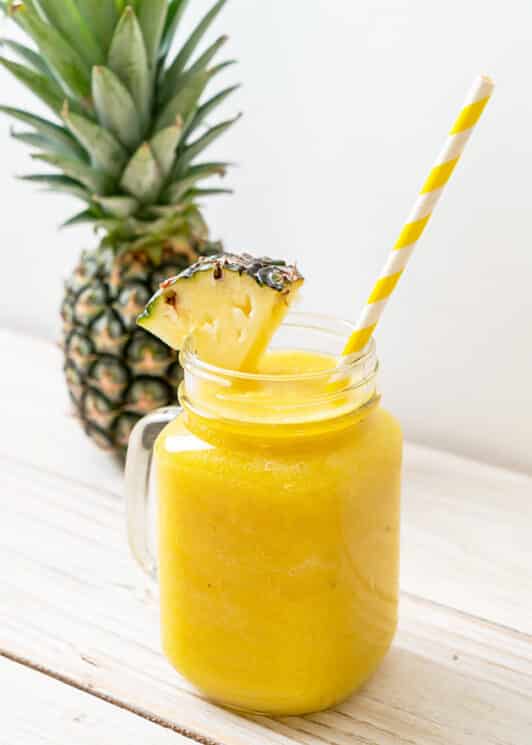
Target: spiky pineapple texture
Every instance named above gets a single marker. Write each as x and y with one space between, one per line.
116 372
132 123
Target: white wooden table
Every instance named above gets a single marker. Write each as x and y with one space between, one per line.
79 646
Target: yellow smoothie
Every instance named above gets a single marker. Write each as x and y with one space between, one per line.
279 539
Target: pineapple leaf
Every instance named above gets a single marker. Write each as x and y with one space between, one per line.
122 4
175 71
105 151
115 108
143 178
57 183
164 146
158 210
218 68
206 170
121 207
197 173
63 58
92 179
47 129
82 218
175 191
184 102
44 88
111 225
152 15
195 148
208 107
32 58
203 62
102 16
195 193
65 16
176 8
40 142
129 62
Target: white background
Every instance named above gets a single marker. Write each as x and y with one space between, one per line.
346 105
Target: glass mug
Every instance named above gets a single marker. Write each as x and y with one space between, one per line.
278 525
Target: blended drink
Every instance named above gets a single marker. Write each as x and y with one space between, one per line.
279 500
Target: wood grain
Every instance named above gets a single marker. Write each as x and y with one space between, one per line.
38 710
71 603
467 536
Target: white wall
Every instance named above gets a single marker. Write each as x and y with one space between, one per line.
346 104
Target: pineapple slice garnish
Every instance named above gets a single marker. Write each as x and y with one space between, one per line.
230 306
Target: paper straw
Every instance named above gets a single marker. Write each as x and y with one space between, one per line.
421 213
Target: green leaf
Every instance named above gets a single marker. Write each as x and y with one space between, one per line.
128 60
194 174
121 5
44 88
63 59
152 15
197 193
115 107
87 216
34 60
66 17
218 68
208 107
102 16
105 151
34 140
176 8
203 62
121 207
40 142
174 72
93 180
185 101
195 148
57 183
47 129
160 210
164 146
142 177
206 170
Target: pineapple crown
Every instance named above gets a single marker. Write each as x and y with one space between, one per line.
132 118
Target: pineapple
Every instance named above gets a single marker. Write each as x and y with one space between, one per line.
132 122
230 306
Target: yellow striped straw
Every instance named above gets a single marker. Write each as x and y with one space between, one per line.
421 213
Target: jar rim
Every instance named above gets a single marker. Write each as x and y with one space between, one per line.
328 324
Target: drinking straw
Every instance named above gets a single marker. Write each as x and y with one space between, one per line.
421 213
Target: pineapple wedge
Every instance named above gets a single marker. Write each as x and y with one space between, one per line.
230 306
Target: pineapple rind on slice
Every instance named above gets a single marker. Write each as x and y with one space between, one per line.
229 306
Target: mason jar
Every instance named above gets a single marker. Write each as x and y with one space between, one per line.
278 523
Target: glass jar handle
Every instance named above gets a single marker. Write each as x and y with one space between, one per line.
137 478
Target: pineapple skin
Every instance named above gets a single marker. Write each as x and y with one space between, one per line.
116 372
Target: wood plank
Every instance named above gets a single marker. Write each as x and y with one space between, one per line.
466 526
71 602
38 710
467 536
